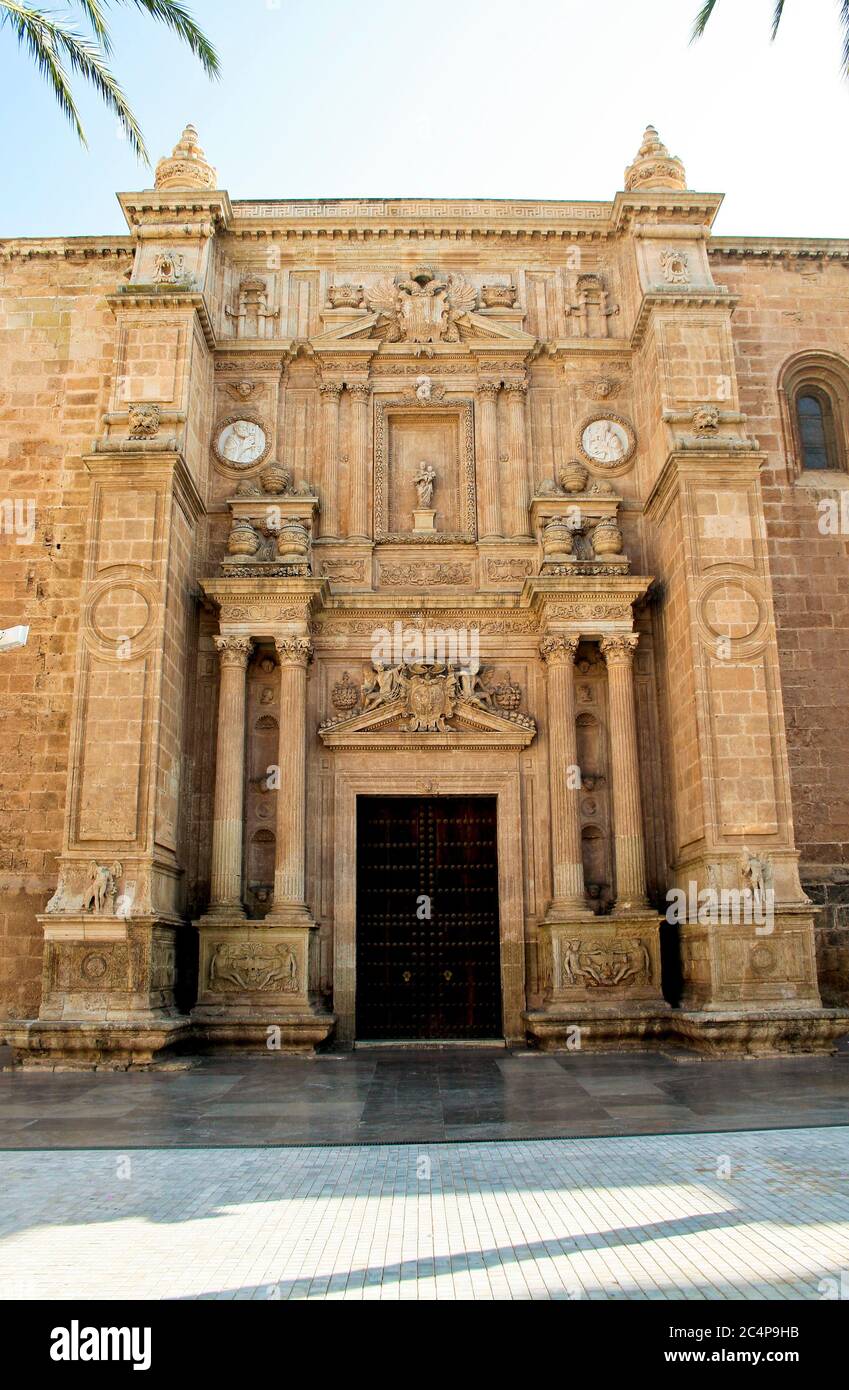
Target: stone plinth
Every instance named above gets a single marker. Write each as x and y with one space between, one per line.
253 988
424 519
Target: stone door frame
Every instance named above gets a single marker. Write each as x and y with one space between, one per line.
381 781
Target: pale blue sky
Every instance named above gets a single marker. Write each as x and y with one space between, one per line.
455 98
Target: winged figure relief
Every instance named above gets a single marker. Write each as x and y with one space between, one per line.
422 308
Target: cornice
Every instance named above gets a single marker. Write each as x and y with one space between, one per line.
664 206
84 248
367 219
679 297
761 247
138 296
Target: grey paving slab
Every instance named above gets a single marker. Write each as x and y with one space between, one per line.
646 1217
416 1095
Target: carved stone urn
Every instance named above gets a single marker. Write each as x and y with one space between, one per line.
275 480
573 478
345 296
607 538
557 540
243 539
293 543
498 296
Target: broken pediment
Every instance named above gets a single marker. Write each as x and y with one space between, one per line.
423 309
421 705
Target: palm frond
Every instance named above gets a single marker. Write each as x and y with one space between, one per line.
702 19
844 23
178 18
86 58
41 36
776 18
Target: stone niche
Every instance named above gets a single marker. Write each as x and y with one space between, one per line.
407 437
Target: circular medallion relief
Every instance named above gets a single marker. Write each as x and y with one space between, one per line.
730 610
119 613
608 441
94 967
240 442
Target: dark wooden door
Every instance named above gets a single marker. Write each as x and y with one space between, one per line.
428 962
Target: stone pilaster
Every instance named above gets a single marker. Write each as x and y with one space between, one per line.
519 486
331 392
566 859
489 508
289 903
360 464
228 810
629 846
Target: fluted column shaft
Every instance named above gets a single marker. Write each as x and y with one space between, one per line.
290 850
330 392
628 840
489 507
566 857
358 514
228 804
520 491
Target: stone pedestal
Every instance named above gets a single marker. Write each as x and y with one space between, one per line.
254 988
424 519
107 995
601 983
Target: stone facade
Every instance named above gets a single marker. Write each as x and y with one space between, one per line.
309 502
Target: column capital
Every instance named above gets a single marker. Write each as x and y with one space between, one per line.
558 650
360 390
330 390
488 390
293 651
516 390
233 651
619 649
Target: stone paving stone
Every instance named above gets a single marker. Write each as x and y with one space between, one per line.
645 1217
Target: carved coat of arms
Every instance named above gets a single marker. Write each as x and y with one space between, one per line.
430 698
424 308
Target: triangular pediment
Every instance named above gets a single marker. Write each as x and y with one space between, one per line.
389 726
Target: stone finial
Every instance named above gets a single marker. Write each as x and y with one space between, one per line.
654 167
187 166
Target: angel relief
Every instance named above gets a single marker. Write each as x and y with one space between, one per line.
424 308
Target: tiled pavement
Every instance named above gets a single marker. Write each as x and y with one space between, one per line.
390 1096
736 1215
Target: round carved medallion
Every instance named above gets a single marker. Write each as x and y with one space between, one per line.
119 612
730 610
94 966
240 441
607 441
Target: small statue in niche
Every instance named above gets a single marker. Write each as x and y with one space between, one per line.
424 481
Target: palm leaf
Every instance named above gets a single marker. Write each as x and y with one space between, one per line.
702 19
38 34
776 18
178 18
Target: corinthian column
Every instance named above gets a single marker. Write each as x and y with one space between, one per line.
629 847
489 510
566 858
520 492
358 514
330 394
228 806
289 904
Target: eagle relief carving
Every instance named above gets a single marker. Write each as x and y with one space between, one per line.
424 308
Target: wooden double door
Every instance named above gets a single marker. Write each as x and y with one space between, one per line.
428 959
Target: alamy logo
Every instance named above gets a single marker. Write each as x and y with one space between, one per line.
77 1343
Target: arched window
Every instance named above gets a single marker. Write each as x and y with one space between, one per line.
815 424
813 392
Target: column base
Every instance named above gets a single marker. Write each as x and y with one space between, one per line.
598 965
741 1033
75 1044
254 985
